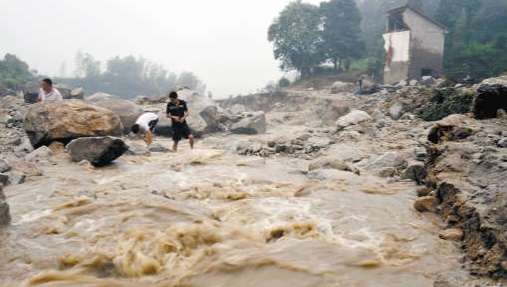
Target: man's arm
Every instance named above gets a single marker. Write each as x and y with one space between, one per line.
149 137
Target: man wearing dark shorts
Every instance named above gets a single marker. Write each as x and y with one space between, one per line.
177 111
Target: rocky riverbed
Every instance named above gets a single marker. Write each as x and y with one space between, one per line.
294 188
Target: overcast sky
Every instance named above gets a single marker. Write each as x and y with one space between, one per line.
224 42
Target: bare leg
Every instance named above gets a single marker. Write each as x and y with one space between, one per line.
175 146
191 141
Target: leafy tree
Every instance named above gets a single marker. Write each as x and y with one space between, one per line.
296 37
13 73
86 66
341 33
128 77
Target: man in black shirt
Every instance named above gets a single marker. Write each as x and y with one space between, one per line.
177 111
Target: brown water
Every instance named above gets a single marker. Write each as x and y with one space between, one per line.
218 219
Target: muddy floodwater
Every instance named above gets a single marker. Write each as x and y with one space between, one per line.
209 217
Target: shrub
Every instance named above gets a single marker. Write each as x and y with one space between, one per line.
283 82
447 102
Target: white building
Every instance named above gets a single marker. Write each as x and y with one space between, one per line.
414 43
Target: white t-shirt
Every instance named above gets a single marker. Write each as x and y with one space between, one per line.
54 95
145 119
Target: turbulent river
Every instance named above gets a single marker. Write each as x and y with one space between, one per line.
209 217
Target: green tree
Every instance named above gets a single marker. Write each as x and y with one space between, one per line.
13 73
342 31
296 38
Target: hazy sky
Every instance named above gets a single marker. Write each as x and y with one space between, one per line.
224 42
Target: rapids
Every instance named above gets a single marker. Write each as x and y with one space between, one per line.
209 217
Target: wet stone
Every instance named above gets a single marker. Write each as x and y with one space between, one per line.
451 234
4 166
426 203
502 143
16 177
4 179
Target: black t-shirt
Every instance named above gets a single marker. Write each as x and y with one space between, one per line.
177 110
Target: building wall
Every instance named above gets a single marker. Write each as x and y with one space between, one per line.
427 45
398 67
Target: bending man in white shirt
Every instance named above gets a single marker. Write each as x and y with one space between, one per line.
144 127
48 93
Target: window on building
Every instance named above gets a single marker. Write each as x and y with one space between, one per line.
396 23
426 72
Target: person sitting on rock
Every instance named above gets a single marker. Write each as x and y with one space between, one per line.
177 111
144 127
48 93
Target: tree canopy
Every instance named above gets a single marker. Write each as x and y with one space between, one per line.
128 76
13 73
341 31
305 35
296 37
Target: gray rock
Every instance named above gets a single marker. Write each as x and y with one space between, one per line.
256 124
386 172
237 109
138 150
16 177
77 94
102 97
389 159
99 151
353 118
415 171
4 179
396 111
428 81
378 115
420 153
157 147
5 216
502 143
4 166
31 91
64 90
39 154
126 110
341 87
413 82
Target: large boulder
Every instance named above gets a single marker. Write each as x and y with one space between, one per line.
67 120
341 87
203 112
101 97
164 125
31 91
254 124
64 90
490 98
353 118
127 110
396 111
155 99
99 151
5 217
